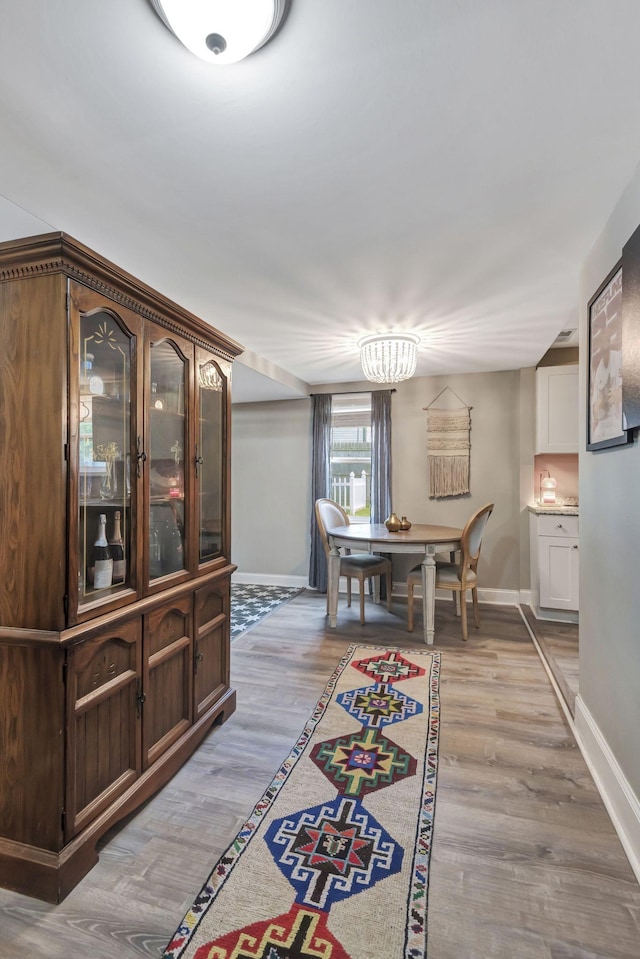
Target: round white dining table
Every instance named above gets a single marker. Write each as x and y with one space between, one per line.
422 539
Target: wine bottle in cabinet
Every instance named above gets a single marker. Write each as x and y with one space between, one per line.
116 547
101 562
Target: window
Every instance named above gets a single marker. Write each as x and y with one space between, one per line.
350 454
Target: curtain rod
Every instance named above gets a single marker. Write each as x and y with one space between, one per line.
354 392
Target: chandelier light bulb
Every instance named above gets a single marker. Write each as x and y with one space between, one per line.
389 357
221 31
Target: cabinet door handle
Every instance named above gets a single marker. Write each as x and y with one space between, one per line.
198 658
140 700
141 456
575 547
198 461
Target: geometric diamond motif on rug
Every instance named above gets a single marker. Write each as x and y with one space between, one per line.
332 851
390 667
363 762
378 705
299 934
325 853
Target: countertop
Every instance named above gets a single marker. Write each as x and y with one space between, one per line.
554 510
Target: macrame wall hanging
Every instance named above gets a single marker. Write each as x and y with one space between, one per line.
449 446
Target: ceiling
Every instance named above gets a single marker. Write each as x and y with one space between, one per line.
426 166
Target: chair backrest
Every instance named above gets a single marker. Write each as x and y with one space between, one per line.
329 515
471 539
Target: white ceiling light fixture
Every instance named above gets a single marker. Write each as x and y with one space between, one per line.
389 357
222 31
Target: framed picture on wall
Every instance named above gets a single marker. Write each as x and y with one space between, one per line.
631 332
604 371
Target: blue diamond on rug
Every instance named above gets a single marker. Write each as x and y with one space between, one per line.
379 705
332 851
251 603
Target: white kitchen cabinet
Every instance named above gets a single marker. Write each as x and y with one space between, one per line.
557 409
554 565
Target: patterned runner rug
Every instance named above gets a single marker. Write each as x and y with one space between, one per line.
333 862
250 604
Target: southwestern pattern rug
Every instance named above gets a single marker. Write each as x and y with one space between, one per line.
333 862
250 604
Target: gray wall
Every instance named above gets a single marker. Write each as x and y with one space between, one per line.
271 487
609 538
271 463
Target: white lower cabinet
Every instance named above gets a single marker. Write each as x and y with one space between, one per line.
554 562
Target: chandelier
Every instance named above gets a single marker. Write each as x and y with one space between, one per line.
389 357
222 31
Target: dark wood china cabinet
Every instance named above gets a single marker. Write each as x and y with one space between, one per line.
114 661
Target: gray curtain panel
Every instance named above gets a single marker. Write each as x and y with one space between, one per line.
381 463
320 475
380 455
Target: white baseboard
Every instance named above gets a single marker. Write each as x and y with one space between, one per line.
548 615
619 798
495 597
268 579
525 597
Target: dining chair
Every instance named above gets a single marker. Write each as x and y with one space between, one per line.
360 566
457 576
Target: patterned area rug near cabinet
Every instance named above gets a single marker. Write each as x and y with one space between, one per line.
333 862
250 604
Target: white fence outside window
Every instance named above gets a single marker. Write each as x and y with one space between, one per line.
350 492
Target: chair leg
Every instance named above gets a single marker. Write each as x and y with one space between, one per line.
463 612
476 618
362 590
410 607
348 591
389 584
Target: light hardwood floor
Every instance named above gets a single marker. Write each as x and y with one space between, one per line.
525 863
560 646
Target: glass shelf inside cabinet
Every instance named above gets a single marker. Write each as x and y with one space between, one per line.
104 478
167 443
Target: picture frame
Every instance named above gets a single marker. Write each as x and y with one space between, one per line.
604 368
631 332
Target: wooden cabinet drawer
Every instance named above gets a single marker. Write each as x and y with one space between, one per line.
551 525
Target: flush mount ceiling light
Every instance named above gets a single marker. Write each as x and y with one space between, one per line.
222 31
389 357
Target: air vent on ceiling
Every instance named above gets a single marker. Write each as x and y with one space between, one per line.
564 337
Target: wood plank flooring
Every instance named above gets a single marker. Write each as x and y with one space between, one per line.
525 864
560 647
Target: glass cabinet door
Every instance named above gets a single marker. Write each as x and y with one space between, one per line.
167 441
211 385
104 442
